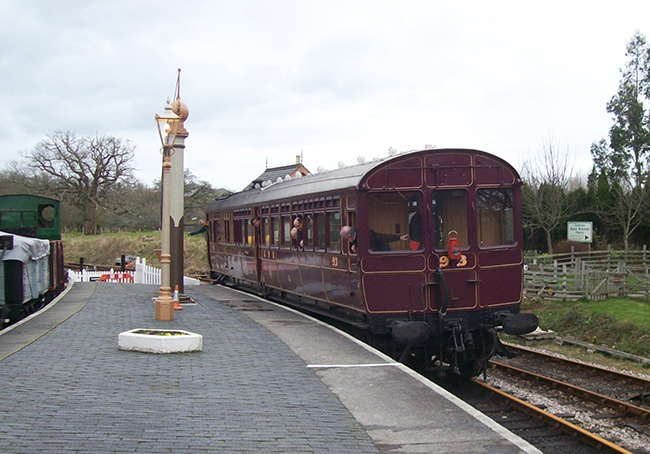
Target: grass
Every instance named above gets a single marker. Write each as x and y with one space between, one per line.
623 309
105 248
619 323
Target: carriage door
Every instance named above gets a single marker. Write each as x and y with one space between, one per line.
500 259
392 250
451 243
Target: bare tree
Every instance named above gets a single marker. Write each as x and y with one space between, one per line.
629 210
547 177
90 173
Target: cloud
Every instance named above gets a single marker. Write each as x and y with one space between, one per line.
335 80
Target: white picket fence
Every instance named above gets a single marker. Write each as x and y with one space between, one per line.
143 274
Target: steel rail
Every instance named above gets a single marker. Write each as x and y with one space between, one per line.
624 407
558 423
632 378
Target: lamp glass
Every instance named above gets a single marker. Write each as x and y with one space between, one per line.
167 125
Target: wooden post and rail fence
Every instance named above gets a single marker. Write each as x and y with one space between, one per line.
595 275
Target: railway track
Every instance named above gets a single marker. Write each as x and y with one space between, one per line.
613 405
626 393
551 434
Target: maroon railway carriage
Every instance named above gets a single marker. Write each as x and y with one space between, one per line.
436 267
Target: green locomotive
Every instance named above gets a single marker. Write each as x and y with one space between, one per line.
31 255
31 216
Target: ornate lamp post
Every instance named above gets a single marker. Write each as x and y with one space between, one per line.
177 205
168 124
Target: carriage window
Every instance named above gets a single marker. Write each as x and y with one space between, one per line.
416 229
495 217
286 232
266 231
352 219
226 231
308 232
240 231
214 229
236 231
320 230
334 229
275 231
449 215
393 215
250 235
243 230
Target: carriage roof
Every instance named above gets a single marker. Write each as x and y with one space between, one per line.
348 178
331 181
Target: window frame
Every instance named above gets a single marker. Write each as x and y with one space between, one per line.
507 221
464 235
400 218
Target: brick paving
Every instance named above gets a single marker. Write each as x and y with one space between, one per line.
73 391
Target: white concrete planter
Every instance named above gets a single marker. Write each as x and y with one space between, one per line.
160 341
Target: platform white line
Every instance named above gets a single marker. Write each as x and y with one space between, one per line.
343 366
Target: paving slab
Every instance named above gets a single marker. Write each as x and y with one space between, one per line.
72 390
269 380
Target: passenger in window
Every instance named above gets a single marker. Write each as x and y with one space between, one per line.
203 228
350 234
381 241
296 233
415 231
297 222
378 241
296 238
256 222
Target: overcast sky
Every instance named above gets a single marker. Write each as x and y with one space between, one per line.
333 80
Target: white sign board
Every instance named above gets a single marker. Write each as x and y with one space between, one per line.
581 232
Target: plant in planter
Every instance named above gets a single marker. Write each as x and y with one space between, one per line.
160 332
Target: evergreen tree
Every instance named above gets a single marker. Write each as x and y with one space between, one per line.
623 199
626 155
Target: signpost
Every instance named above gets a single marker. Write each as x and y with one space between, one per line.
580 232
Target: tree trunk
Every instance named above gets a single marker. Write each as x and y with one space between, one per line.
549 243
90 221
